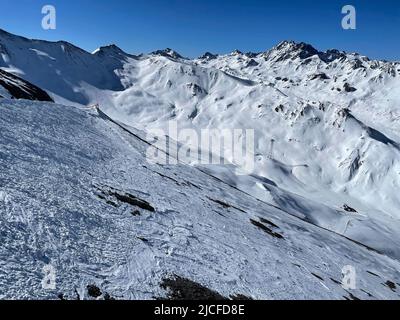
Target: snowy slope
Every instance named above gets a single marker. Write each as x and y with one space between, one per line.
327 154
326 123
58 67
78 193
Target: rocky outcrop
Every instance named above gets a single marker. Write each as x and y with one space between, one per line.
21 89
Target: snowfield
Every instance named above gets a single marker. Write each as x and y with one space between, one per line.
77 192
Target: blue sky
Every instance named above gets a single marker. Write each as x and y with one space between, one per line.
193 27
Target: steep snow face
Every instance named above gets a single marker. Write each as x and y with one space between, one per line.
326 123
78 194
58 67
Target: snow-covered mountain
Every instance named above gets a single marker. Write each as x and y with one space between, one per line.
59 67
78 194
327 145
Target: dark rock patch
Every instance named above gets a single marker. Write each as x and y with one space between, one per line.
353 297
167 177
265 221
133 201
367 293
208 56
179 288
107 296
196 89
374 274
194 114
188 183
349 88
101 197
240 297
124 197
143 239
111 203
320 76
226 205
219 213
168 53
252 63
94 291
317 276
135 213
77 295
21 89
349 209
391 285
266 229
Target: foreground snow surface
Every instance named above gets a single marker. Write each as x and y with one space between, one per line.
77 193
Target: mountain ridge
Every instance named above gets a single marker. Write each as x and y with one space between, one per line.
296 44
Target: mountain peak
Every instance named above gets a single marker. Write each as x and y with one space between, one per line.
296 49
109 48
236 52
169 53
113 53
208 56
292 50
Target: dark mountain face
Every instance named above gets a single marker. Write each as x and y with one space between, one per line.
21 89
169 53
292 50
208 56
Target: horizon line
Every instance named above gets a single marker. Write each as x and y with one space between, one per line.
2 30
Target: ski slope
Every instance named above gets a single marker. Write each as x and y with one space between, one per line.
66 180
